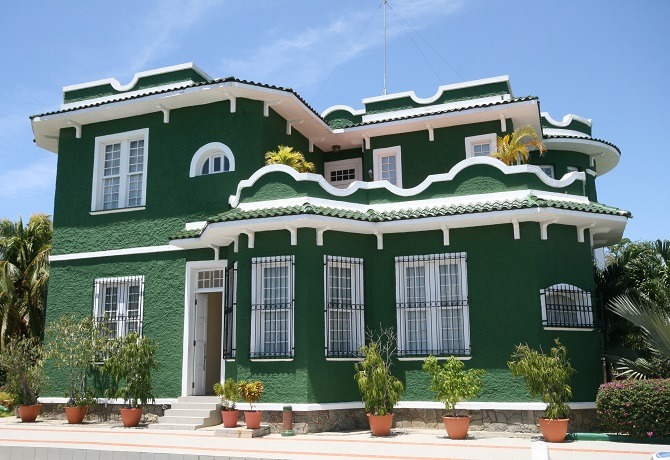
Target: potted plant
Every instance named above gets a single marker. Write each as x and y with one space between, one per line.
453 384
251 391
548 377
22 361
229 393
380 390
130 363
74 345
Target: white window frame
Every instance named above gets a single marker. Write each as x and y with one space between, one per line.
357 325
258 345
378 154
431 262
123 283
209 152
548 170
572 169
333 166
97 195
471 141
570 291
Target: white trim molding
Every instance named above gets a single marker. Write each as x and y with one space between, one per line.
114 253
205 152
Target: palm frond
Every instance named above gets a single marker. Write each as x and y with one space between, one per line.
647 315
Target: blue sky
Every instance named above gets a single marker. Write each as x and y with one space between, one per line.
602 59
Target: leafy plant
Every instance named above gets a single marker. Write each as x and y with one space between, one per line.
379 389
251 391
73 345
229 393
635 407
514 148
451 382
130 363
287 156
7 400
22 359
547 376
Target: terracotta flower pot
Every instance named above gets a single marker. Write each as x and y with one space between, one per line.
131 416
253 419
554 430
230 418
29 413
380 425
457 427
75 414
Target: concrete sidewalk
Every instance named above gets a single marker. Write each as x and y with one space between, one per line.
56 440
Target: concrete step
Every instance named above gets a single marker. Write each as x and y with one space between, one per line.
174 426
190 405
199 399
208 421
188 412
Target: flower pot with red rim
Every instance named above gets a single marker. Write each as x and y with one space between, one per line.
230 418
75 414
29 413
131 416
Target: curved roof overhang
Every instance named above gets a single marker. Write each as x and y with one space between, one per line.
605 156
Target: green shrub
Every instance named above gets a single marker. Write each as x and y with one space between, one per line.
635 407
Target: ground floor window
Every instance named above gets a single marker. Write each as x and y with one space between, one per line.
118 305
344 306
432 305
272 300
566 306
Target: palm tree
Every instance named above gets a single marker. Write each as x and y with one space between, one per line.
24 275
287 156
514 148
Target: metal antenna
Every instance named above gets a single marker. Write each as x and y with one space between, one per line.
384 91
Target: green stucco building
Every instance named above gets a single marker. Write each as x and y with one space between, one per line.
167 222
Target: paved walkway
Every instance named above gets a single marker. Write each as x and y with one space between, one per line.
56 440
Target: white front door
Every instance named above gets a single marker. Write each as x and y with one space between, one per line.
200 344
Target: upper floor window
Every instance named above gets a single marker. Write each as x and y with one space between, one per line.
272 284
345 332
212 158
118 305
388 165
566 306
548 170
119 170
480 146
432 305
341 173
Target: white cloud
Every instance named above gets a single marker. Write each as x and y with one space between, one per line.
311 54
163 27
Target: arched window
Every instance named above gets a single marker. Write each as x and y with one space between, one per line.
566 306
212 158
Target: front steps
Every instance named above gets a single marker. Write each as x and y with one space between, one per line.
190 413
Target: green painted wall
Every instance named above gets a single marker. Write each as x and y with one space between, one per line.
504 280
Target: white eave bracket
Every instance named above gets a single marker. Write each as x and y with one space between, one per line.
445 234
294 235
166 113
543 228
503 123
319 235
380 240
431 132
250 239
266 107
580 231
77 128
233 101
515 226
290 123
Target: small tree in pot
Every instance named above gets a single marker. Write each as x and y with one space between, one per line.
251 392
229 393
74 345
130 363
22 360
380 389
453 384
548 377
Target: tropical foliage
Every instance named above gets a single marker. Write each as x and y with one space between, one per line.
515 148
380 389
73 345
547 376
635 287
230 392
130 362
251 391
22 360
287 156
451 383
24 274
